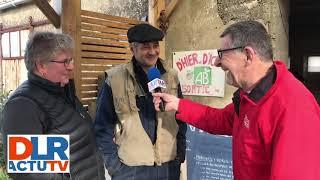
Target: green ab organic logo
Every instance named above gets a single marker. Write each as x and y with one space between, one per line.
202 75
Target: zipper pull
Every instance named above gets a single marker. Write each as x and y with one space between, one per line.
82 115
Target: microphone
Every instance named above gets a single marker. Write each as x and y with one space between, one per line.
155 84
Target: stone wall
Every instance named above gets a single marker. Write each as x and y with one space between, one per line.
136 9
19 15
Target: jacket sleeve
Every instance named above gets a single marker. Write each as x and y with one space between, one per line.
295 143
211 120
181 136
21 115
104 125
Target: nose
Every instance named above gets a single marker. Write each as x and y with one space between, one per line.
70 66
152 51
217 62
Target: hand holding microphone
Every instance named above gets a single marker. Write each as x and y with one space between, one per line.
171 101
162 101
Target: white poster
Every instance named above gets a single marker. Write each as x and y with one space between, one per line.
197 73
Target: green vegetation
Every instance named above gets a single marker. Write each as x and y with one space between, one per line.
3 174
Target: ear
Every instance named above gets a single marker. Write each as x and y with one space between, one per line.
131 49
250 53
41 68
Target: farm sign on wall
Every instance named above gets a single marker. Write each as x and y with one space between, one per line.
197 73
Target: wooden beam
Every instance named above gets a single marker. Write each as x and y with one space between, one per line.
71 24
151 14
48 11
171 7
168 9
155 7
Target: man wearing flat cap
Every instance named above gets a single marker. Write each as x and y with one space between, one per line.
136 141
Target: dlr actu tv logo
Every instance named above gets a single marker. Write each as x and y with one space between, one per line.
38 154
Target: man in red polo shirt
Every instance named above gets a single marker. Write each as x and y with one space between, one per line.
274 119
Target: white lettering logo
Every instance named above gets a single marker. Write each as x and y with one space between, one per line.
156 83
246 121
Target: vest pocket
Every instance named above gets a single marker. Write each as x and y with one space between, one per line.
132 101
121 105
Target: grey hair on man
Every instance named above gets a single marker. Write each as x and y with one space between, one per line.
43 46
251 33
133 44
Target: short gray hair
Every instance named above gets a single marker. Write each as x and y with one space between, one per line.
133 44
43 46
251 33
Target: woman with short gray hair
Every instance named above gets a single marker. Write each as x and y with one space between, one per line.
46 104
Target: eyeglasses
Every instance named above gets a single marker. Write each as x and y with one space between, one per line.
221 51
66 62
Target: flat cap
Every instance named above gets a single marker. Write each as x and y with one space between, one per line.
144 33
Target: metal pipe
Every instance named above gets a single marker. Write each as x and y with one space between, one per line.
13 3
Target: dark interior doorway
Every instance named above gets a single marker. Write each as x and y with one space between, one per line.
304 41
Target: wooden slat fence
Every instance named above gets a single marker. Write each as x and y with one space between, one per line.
104 44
